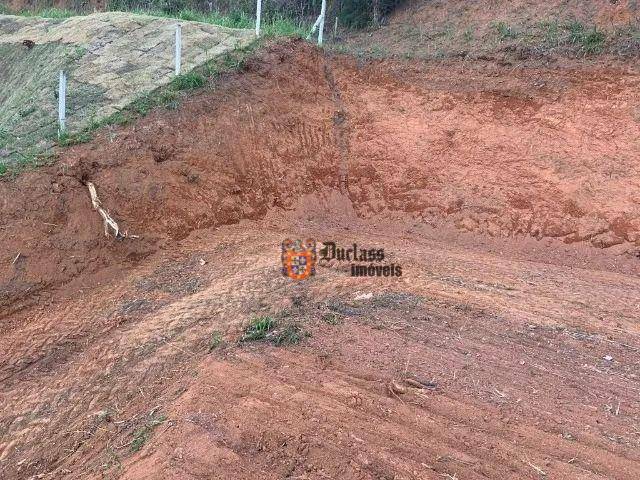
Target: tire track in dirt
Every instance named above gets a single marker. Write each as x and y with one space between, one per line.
485 346
340 129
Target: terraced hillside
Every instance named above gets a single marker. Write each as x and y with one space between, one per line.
110 60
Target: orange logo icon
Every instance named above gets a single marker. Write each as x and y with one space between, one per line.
298 258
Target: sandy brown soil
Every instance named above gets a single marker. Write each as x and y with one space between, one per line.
509 197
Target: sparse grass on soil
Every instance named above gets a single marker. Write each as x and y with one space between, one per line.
279 333
331 318
554 36
215 341
142 435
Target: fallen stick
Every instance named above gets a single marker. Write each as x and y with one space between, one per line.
106 218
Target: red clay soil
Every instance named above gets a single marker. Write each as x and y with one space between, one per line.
508 348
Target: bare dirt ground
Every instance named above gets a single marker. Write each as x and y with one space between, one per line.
509 196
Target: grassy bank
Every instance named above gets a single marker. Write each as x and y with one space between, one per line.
273 25
25 144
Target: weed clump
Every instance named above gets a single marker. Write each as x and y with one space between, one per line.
590 41
269 329
188 81
258 329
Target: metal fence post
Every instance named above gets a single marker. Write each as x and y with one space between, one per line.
323 12
62 104
258 17
178 53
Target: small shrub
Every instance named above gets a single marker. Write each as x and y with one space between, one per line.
3 169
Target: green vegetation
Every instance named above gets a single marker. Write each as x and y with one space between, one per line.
258 329
276 25
468 35
289 335
45 13
141 435
279 333
331 318
168 96
3 169
215 341
590 40
188 81
505 31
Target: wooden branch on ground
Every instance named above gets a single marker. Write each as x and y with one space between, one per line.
106 218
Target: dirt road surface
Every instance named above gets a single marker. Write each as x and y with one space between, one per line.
508 349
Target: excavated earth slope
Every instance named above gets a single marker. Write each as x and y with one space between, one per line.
508 196
110 60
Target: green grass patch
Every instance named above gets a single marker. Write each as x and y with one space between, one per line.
142 435
258 329
590 40
188 81
280 333
215 341
284 27
47 13
3 169
505 31
272 25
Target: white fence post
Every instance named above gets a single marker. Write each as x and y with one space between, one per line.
258 17
62 104
178 48
323 12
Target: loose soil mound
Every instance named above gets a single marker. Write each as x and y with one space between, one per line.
491 186
110 60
